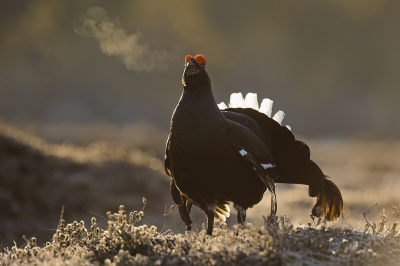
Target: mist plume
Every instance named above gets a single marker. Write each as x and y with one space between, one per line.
132 50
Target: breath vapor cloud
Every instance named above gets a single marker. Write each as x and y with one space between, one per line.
132 50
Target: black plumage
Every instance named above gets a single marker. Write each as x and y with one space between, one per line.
214 157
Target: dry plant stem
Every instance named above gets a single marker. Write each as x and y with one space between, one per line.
394 221
26 240
144 206
144 203
165 218
166 232
390 228
99 215
365 217
61 216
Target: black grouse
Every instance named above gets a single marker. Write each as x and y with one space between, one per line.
214 157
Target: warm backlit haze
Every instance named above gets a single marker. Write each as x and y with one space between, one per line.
87 90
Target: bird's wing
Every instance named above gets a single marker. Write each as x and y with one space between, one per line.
292 156
255 153
176 194
167 163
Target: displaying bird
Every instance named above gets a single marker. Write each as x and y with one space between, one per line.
216 156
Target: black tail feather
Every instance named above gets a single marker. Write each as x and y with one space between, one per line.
292 158
316 179
184 211
329 203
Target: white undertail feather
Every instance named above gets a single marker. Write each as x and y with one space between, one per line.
222 106
266 107
278 117
251 101
227 208
220 216
267 165
237 101
223 212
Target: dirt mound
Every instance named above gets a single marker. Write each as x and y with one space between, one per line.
37 178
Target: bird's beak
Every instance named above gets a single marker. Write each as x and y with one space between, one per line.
191 68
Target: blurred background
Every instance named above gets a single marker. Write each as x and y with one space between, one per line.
87 89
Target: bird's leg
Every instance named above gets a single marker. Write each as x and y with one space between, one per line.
272 219
274 205
210 222
185 213
189 206
241 216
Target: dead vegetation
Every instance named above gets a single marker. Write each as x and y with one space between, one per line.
124 242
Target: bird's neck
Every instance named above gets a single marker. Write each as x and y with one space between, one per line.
196 114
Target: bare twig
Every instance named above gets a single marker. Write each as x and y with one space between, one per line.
99 215
394 221
365 217
165 217
61 216
144 203
26 240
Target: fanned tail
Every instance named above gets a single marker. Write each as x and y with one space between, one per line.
237 101
292 157
329 199
329 202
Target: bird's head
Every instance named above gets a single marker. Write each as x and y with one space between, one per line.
195 76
